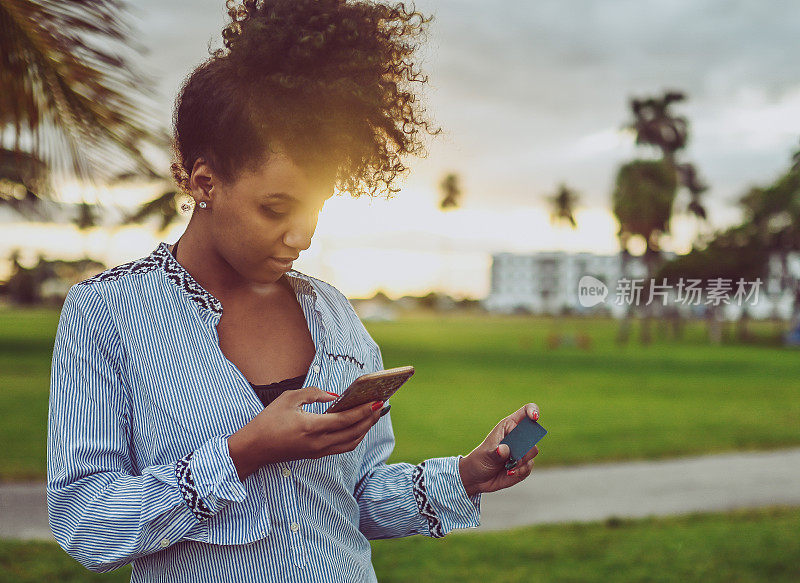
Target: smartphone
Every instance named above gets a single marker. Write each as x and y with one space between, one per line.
373 386
521 440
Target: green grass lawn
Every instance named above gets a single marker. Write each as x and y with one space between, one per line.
607 403
738 547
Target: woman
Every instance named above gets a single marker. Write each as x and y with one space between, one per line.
185 431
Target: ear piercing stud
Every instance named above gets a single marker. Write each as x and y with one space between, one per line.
202 204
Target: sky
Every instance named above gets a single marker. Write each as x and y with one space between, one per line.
529 95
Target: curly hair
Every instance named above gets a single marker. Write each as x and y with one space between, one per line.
326 82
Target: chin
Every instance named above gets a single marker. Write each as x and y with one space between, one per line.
268 277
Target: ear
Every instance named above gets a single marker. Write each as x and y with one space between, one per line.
201 180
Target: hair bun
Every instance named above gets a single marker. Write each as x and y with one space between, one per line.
327 81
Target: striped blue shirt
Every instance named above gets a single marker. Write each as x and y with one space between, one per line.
142 401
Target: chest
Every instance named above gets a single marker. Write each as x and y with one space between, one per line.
268 340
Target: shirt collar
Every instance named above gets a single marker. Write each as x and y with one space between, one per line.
183 280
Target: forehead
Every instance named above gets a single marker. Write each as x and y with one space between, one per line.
278 178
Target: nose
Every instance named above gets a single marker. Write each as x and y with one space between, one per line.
298 235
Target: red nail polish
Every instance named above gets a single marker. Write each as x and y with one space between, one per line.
377 405
535 415
510 472
498 450
334 394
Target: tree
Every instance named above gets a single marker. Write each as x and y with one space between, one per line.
450 188
773 214
70 97
163 207
562 210
642 202
645 190
562 206
450 199
771 228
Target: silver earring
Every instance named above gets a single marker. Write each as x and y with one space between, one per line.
202 204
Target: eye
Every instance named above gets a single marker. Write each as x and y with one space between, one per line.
274 213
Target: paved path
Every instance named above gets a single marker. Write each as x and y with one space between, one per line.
576 493
636 489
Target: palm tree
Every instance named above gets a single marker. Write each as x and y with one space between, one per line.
562 206
562 210
771 229
163 207
450 199
451 191
656 125
71 100
645 189
773 214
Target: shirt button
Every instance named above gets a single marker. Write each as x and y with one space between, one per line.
316 368
286 472
164 543
294 526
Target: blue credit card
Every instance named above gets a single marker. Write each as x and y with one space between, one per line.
521 440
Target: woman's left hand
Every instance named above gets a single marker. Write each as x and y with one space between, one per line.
483 469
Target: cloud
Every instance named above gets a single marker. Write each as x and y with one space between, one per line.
539 82
532 94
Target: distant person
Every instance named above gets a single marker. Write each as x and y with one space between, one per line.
185 428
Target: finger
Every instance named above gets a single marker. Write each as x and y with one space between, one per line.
346 440
502 451
528 410
530 455
508 423
525 470
333 422
309 395
356 431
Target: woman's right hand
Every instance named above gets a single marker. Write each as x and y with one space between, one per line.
283 431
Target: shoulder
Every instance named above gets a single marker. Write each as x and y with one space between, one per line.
329 293
86 324
126 286
137 266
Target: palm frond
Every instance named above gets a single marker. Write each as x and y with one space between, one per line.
164 207
70 95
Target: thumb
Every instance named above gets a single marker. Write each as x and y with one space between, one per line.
313 395
502 452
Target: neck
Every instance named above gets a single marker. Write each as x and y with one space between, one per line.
199 256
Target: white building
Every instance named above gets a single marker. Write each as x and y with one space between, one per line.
547 283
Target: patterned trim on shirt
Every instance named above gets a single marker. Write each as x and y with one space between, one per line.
176 274
142 265
181 278
421 497
352 359
188 490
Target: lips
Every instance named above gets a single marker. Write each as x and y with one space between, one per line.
282 263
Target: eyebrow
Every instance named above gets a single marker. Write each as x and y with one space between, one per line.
283 196
279 196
